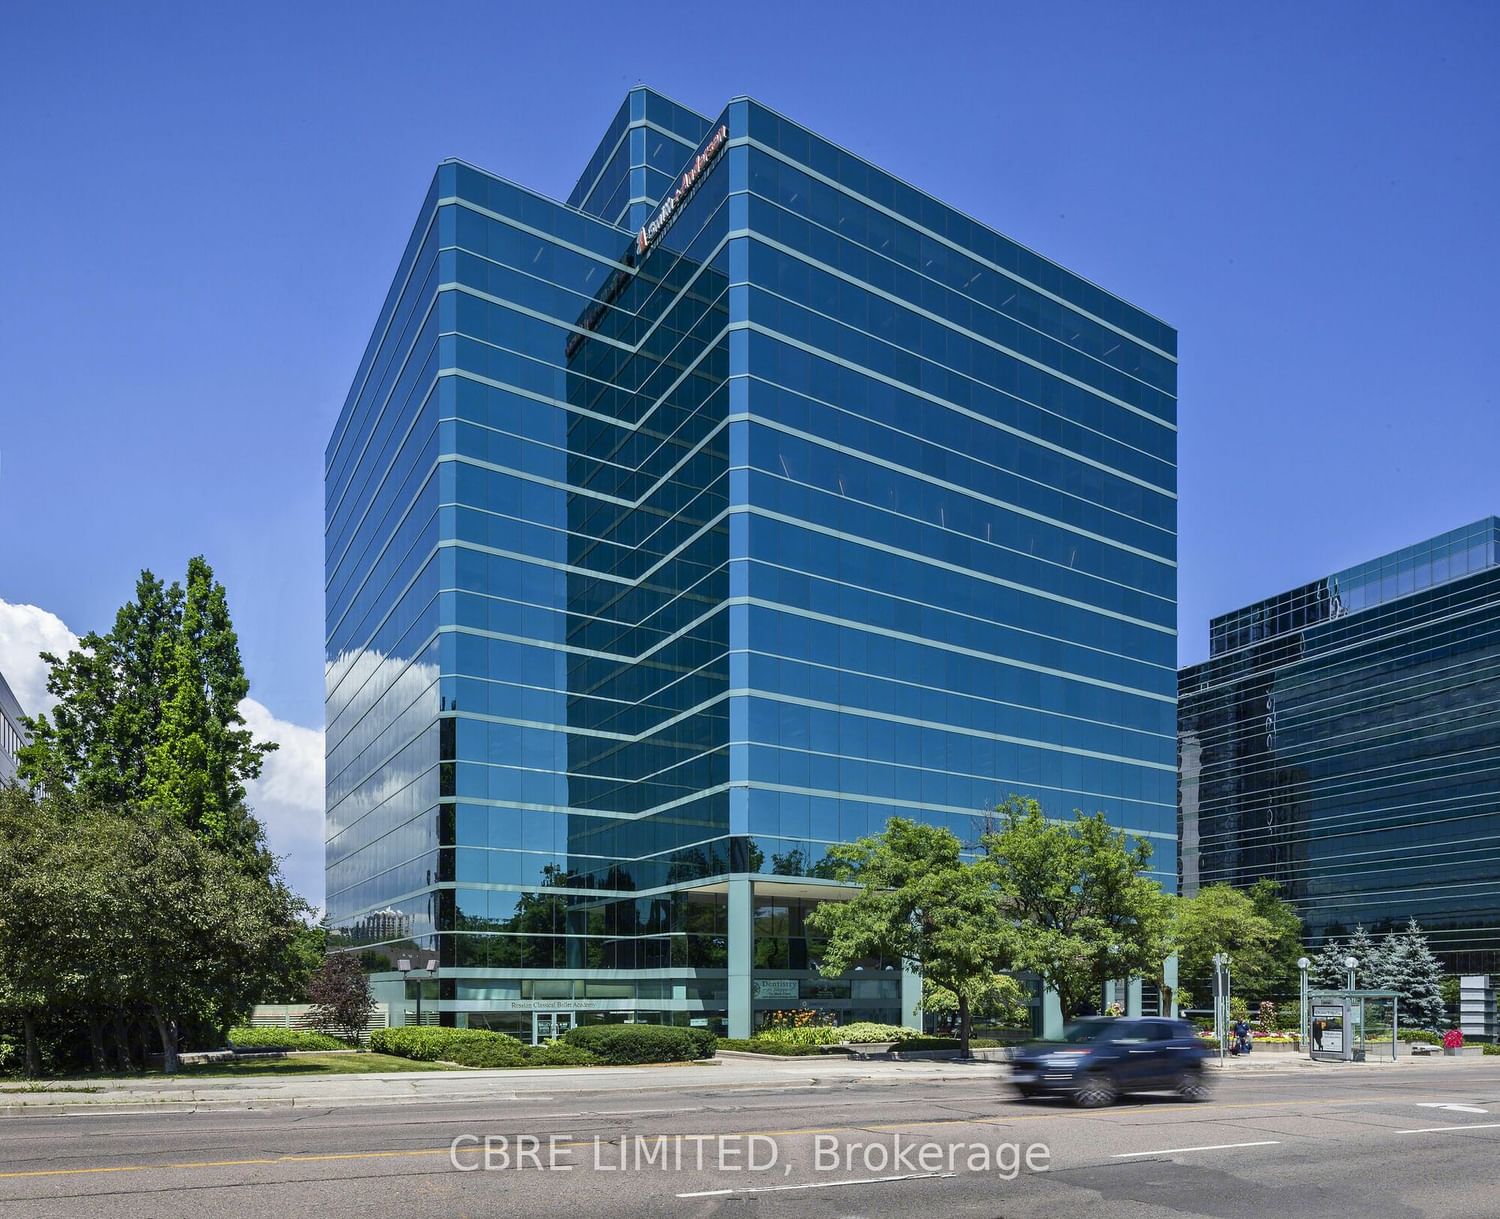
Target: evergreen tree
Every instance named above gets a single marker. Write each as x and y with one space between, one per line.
1327 971
1373 971
1415 974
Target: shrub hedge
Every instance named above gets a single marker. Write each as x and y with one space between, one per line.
767 1045
559 1054
624 1044
1421 1036
467 1047
246 1038
914 1044
611 1044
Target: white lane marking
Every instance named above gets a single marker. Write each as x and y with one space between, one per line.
1455 1108
622 1112
1172 1151
776 1189
1445 1129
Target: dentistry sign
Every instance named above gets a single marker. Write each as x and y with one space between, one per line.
691 176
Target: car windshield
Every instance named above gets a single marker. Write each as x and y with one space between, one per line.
1085 1032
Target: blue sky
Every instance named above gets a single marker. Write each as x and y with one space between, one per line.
201 208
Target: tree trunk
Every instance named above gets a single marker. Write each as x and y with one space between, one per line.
963 1024
96 1041
167 1029
122 1043
143 1034
33 1050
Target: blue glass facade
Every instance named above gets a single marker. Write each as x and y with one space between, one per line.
679 531
1344 740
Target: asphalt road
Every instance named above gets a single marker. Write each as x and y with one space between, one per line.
1367 1145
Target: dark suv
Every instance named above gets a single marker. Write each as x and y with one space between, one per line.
1101 1058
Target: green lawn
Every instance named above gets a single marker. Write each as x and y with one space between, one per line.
314 1064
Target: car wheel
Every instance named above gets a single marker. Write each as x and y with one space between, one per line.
1027 1090
1192 1086
1096 1091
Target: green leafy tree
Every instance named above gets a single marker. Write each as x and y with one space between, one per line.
921 902
148 715
1084 907
1452 991
1003 1001
1260 932
109 703
206 935
304 956
36 902
107 917
1415 974
1280 975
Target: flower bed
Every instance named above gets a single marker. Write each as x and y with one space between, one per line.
860 1033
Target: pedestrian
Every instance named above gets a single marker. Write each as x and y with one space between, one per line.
1241 1037
1317 1034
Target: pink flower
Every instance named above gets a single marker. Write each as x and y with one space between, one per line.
1453 1040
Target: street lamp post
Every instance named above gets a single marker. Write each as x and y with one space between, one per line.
1302 967
1114 970
405 966
1221 1000
1351 964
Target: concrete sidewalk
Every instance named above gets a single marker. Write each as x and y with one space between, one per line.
301 1091
739 1073
1274 1062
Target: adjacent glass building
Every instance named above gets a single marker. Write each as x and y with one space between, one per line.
683 529
11 735
1344 740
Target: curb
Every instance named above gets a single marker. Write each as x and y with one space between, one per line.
188 1104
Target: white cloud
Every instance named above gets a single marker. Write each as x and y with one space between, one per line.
25 632
288 796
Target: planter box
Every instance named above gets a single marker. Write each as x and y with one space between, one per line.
868 1049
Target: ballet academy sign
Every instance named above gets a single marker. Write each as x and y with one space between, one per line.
691 176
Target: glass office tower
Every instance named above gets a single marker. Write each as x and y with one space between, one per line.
681 530
1344 740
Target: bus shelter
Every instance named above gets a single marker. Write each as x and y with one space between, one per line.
1352 1025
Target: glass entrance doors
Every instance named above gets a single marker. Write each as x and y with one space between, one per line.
549 1026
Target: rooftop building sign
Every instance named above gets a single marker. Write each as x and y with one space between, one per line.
691 176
